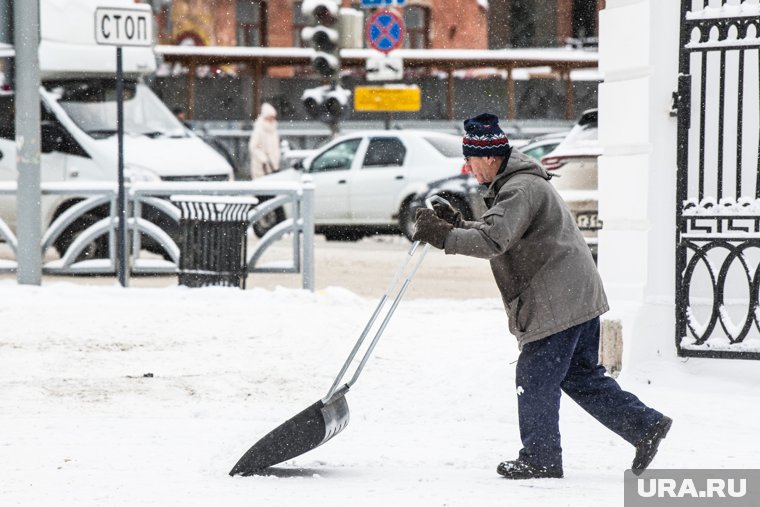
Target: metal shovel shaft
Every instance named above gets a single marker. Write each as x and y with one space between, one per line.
327 417
388 316
372 320
429 202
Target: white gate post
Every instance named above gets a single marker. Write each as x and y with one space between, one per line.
637 174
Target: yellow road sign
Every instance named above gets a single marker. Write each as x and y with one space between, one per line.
376 98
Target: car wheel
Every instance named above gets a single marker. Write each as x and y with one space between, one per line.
265 223
97 249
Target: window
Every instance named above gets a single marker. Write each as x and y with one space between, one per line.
385 152
51 127
523 18
417 21
299 22
340 156
91 104
540 150
8 116
584 18
251 23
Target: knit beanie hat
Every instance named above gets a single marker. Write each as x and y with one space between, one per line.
268 109
484 138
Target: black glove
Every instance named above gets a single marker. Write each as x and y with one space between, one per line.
430 229
448 213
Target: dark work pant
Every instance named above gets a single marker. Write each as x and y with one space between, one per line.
568 361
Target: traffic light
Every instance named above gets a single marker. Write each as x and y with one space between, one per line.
313 99
323 36
326 103
336 101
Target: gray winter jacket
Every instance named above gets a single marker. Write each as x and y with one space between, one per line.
540 261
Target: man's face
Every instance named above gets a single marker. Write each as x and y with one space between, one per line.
483 168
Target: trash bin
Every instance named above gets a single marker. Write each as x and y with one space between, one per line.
212 240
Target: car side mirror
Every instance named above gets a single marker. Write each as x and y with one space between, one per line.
298 165
52 137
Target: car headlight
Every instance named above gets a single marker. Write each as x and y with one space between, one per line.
134 174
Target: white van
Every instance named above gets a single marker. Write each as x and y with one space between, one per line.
78 112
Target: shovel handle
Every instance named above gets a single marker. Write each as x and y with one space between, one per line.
436 198
394 282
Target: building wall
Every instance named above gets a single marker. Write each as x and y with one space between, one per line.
459 24
280 20
534 23
207 23
453 24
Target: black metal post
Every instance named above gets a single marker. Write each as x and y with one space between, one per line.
682 159
121 241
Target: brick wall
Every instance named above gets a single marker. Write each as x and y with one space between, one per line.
454 23
458 24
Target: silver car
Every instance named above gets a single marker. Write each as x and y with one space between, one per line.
574 165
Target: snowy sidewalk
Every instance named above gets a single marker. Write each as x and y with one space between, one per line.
431 417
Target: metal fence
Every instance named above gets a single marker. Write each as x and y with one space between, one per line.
154 196
718 203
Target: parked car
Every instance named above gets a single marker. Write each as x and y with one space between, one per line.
464 192
574 163
365 181
540 146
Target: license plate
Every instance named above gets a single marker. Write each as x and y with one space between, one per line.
587 222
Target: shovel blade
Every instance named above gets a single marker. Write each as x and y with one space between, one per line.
299 434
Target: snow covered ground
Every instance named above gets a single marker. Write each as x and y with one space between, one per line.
148 396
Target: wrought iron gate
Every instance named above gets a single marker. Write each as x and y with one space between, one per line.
718 205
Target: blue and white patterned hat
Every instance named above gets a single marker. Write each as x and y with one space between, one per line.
484 138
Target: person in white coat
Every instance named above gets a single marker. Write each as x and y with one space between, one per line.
264 145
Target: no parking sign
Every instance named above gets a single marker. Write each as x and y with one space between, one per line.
385 31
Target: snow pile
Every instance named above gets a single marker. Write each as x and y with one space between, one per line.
149 396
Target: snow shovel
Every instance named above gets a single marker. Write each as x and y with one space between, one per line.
329 416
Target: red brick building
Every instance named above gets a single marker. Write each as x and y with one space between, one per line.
464 24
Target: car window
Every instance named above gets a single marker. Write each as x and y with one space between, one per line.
448 146
340 156
384 152
539 151
8 125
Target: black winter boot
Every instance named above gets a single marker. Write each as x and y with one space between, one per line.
519 469
646 448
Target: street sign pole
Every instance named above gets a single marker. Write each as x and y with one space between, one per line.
123 240
122 26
